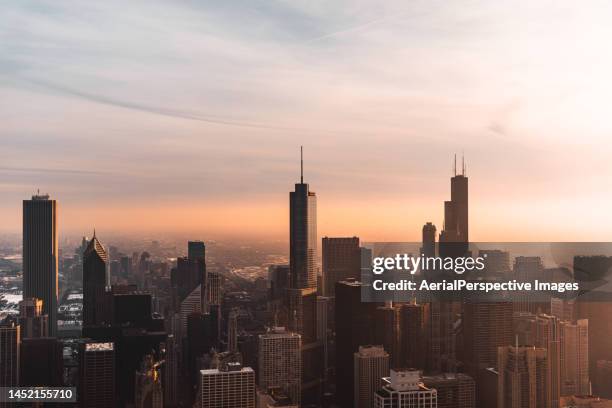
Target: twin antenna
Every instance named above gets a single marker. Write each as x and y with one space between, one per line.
301 164
462 165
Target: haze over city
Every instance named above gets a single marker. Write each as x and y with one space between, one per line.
188 117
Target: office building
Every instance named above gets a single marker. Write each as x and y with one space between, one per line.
40 255
341 260
232 386
303 235
388 333
428 248
456 211
575 358
95 283
280 362
371 365
414 323
97 375
405 389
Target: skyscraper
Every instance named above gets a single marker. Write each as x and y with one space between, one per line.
232 331
95 283
41 362
522 377
371 365
405 389
303 235
232 386
341 260
280 362
414 321
456 210
40 254
10 346
97 375
387 332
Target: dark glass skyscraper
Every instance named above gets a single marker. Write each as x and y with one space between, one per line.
196 250
303 235
40 254
95 281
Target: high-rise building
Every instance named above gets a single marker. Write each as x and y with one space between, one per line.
279 277
454 390
95 283
280 362
341 260
213 289
429 240
10 351
196 250
387 332
414 321
575 358
42 362
354 323
170 371
497 262
232 331
40 255
486 326
456 210
371 365
564 309
522 377
232 386
405 389
187 275
303 235
97 375
33 323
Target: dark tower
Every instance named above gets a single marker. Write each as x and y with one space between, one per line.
95 282
429 240
302 235
456 210
40 255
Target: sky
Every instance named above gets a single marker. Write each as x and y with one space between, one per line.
187 116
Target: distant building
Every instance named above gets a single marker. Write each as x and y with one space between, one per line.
274 398
574 338
428 248
280 362
341 260
497 262
231 387
213 289
97 375
41 255
405 389
371 365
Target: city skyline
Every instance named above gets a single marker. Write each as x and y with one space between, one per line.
185 110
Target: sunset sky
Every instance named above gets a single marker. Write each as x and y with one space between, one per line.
188 116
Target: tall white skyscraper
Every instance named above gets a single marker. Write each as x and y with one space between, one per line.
233 386
371 365
405 389
280 362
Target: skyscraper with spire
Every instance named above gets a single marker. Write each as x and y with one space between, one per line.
302 234
95 282
456 210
